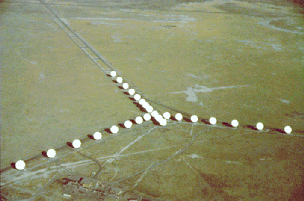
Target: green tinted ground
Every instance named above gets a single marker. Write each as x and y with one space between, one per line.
58 93
51 92
166 52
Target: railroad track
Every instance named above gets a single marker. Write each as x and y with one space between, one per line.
97 58
105 66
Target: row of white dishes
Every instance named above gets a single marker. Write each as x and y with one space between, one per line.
151 114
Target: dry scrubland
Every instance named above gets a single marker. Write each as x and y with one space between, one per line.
235 60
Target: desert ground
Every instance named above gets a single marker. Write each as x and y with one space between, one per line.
226 59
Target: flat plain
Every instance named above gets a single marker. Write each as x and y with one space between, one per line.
229 60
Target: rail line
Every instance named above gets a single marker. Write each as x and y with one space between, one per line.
105 66
94 55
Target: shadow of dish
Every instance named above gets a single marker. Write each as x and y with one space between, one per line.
227 124
187 119
251 127
44 153
121 125
90 136
155 121
108 130
70 144
13 165
205 121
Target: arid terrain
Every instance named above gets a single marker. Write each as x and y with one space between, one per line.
225 59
